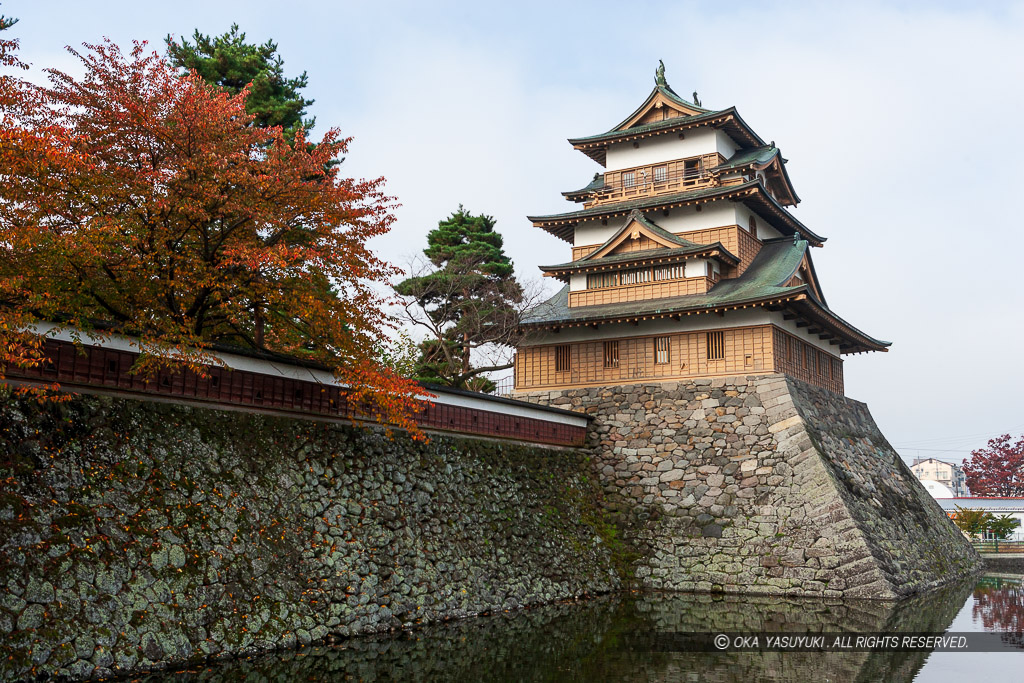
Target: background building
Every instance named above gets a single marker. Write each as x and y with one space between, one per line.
950 476
1014 507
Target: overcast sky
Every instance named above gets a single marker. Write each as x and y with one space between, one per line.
898 120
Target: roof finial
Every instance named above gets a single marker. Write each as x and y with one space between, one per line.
659 75
696 100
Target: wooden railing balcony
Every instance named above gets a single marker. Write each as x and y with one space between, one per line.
653 179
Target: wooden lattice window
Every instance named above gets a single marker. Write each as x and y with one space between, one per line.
628 179
752 224
716 345
789 349
600 280
668 272
611 354
662 353
660 174
636 276
563 360
822 361
807 355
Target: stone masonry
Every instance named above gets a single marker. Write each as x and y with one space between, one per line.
764 484
137 535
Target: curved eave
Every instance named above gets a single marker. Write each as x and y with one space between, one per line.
798 302
562 225
715 251
728 120
790 196
851 339
676 312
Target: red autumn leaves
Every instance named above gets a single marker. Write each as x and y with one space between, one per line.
139 201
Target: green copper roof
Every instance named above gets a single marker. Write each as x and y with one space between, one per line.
652 201
596 184
640 256
684 247
763 281
752 155
647 127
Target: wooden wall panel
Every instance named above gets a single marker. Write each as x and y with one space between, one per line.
756 349
747 349
649 290
806 362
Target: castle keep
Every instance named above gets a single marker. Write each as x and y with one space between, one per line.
692 328
685 262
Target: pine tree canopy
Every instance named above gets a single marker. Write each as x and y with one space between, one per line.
231 63
468 300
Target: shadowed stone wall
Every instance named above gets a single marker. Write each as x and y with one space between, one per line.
618 637
137 534
764 484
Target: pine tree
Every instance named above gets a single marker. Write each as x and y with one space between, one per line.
231 63
467 299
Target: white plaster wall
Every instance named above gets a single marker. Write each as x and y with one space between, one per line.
724 144
662 148
683 219
592 232
711 215
577 282
740 318
695 268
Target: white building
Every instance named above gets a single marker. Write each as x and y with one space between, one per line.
950 476
1014 507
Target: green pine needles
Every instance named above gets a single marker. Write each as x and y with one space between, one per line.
467 299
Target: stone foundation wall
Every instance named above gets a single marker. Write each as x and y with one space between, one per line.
764 485
133 535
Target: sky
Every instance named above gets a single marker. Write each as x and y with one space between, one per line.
897 119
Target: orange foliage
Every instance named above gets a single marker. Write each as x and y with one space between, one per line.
136 201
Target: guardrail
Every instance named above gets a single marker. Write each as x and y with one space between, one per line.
996 546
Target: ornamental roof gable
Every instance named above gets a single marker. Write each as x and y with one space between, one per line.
662 104
636 233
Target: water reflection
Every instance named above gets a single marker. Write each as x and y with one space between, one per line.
587 642
999 606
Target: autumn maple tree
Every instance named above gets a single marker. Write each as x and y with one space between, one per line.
997 469
138 201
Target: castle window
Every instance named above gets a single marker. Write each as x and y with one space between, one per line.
636 276
789 349
661 350
668 272
562 358
716 345
691 168
599 280
611 354
628 179
660 174
807 355
752 224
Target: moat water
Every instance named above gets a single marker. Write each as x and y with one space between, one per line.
597 640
